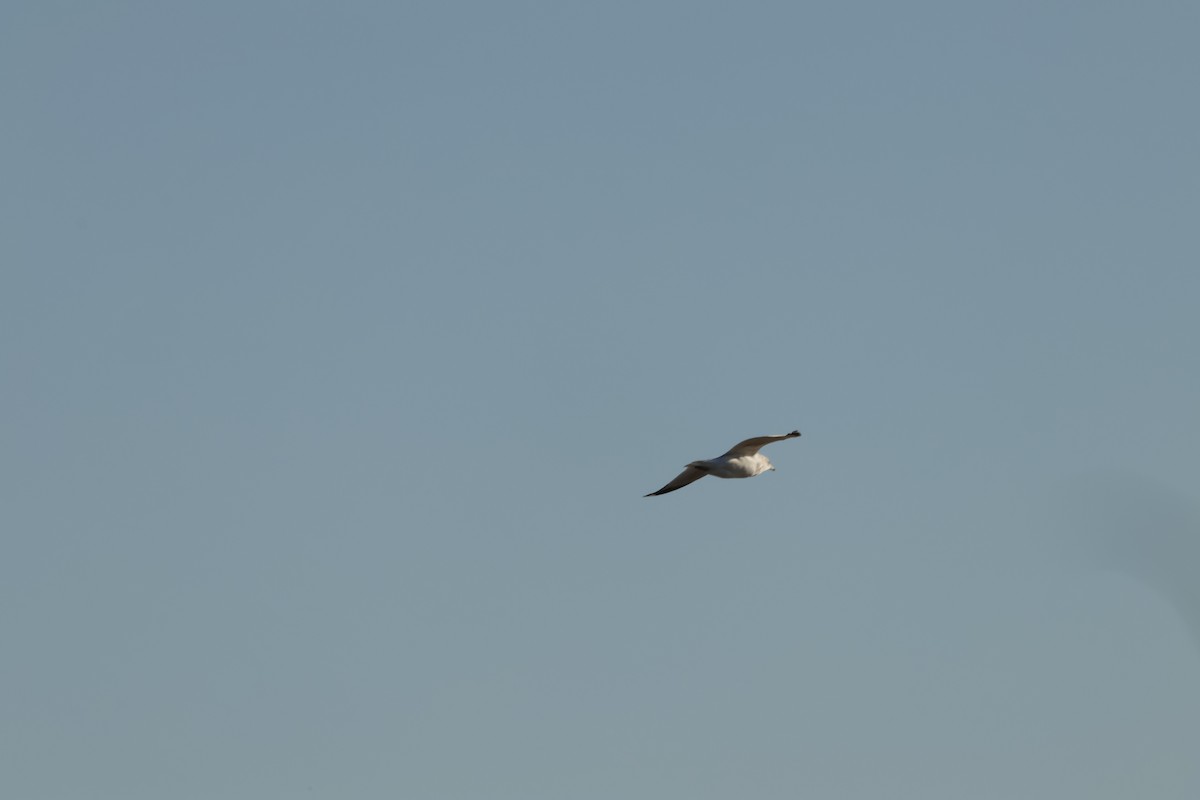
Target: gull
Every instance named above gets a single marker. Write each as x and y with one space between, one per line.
741 461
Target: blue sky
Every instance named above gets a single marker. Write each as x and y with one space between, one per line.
341 342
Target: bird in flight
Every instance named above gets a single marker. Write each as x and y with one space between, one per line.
742 461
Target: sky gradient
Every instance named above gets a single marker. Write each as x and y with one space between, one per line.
341 342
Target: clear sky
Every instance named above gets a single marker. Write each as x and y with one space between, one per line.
340 342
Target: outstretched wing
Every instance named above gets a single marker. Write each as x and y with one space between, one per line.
689 475
752 446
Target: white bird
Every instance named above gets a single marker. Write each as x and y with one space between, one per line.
742 461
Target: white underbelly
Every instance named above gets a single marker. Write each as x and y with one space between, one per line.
743 467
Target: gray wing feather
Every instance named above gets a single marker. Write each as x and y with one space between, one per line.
752 446
689 475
